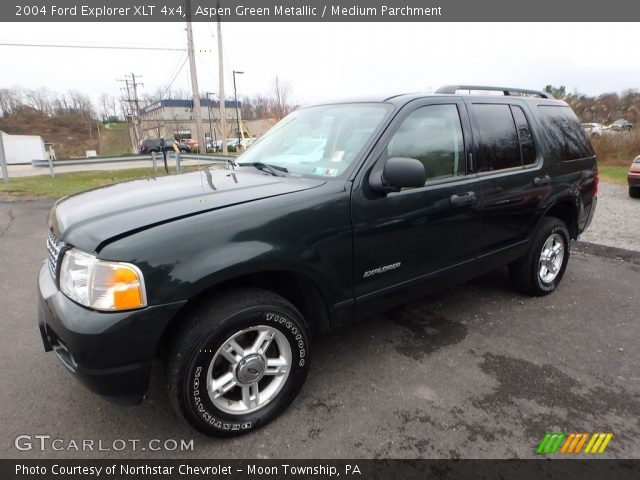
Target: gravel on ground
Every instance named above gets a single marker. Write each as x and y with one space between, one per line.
617 219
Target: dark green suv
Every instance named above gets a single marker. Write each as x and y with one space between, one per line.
341 210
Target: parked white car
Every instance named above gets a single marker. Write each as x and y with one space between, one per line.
594 129
621 125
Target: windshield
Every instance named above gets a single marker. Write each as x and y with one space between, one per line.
320 141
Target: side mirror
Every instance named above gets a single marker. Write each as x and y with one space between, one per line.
398 173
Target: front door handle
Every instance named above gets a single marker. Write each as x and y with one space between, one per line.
463 199
540 181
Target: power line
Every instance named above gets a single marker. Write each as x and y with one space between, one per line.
173 79
108 47
171 72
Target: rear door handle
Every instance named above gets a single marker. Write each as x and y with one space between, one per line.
540 181
463 199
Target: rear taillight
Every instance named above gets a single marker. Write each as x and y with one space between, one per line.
596 182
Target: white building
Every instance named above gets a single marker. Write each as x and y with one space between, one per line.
172 118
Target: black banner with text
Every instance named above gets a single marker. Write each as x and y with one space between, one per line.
316 11
316 469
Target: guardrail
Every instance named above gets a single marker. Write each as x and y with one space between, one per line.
153 157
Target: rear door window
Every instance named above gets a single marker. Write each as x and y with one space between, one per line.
504 137
498 147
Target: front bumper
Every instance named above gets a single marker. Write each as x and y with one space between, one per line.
110 352
633 179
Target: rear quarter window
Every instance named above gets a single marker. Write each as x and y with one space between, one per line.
566 137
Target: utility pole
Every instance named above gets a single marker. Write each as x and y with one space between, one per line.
136 104
124 105
197 110
223 113
132 129
136 101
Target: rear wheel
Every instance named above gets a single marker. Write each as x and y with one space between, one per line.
541 269
634 192
238 362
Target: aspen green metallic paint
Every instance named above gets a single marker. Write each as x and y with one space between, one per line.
327 242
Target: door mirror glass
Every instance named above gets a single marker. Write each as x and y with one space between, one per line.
398 173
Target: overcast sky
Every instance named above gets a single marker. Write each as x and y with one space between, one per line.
327 60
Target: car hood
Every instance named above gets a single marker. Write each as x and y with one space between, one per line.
91 219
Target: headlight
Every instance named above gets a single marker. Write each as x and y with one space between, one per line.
100 284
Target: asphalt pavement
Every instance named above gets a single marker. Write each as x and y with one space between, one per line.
478 371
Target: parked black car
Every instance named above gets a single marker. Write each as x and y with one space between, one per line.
151 145
341 210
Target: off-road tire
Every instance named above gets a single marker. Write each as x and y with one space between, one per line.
525 272
206 329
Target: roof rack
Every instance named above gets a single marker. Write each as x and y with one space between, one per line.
507 91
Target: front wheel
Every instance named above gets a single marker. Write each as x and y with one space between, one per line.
238 362
634 192
540 270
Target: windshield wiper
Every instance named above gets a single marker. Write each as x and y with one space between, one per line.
274 170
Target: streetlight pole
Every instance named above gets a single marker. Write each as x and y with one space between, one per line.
235 96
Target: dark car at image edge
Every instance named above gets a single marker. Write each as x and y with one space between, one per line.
340 211
151 145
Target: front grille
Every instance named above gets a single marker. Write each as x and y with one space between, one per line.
54 247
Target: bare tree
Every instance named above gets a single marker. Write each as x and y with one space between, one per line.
60 105
81 104
11 101
281 93
113 107
260 107
246 110
40 100
108 106
104 106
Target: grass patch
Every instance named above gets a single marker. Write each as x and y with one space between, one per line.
614 174
617 149
68 183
